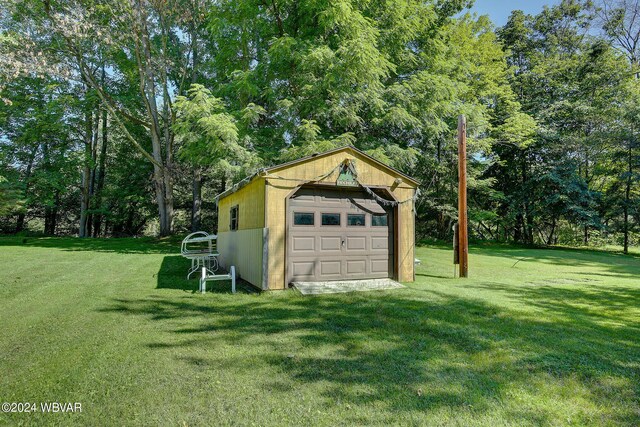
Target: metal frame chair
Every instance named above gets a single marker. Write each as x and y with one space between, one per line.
200 258
208 277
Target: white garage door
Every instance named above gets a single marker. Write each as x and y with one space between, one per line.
338 234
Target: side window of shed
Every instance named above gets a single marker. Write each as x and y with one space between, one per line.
233 218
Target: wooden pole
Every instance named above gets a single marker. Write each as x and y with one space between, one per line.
463 239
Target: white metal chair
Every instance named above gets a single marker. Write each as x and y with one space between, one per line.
208 277
201 257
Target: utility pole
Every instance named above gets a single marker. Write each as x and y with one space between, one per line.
463 239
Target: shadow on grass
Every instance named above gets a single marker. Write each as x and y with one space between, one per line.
415 354
436 276
143 245
173 275
587 306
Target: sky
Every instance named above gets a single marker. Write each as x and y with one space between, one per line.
499 10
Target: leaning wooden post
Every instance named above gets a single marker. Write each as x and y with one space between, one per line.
463 239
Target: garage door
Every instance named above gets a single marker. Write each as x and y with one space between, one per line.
338 234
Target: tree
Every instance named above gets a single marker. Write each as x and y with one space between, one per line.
620 21
566 81
111 107
143 41
40 137
208 140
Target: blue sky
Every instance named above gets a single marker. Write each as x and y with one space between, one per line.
499 10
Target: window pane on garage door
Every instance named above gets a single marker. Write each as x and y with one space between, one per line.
330 219
356 220
303 218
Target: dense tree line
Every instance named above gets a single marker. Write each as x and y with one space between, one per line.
127 117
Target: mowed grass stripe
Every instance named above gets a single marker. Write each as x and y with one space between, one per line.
525 344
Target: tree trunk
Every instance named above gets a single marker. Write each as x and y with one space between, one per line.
586 235
627 198
194 54
517 230
196 208
94 157
97 219
49 221
550 238
27 177
51 215
587 179
20 222
527 223
487 229
128 227
165 210
196 213
162 171
168 131
86 175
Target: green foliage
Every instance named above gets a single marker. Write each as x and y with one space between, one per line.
11 197
208 136
223 87
554 167
202 126
519 129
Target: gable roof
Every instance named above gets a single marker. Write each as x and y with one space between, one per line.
351 148
314 156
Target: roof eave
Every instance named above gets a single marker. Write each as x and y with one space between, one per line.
248 180
337 150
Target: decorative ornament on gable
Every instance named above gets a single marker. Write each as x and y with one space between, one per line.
348 176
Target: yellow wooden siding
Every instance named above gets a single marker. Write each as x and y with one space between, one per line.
250 201
406 236
244 250
369 173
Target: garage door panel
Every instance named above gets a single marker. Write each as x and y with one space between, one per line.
330 269
332 243
381 242
339 250
380 265
304 244
356 243
330 196
357 267
301 198
303 268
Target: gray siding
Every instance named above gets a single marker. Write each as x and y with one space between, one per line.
245 250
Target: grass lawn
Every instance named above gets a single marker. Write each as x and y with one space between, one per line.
534 337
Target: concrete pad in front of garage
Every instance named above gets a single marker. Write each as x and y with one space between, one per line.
318 288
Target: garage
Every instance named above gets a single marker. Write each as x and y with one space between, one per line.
338 234
335 216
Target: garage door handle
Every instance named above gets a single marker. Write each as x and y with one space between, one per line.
342 242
